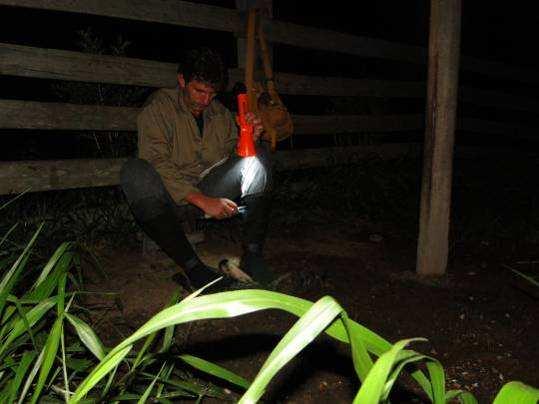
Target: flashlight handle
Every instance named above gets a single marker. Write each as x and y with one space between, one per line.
242 109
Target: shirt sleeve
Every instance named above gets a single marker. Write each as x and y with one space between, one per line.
155 147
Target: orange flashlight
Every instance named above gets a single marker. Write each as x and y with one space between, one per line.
246 145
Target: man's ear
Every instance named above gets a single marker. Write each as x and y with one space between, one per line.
181 80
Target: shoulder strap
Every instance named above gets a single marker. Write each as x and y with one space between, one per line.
250 59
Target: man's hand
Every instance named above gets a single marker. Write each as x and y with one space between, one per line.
216 208
258 128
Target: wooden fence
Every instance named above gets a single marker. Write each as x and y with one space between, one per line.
27 61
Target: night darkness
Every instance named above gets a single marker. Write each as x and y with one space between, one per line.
348 230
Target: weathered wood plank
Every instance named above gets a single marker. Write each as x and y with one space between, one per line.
27 61
16 114
37 176
175 12
189 14
318 124
288 83
444 53
16 177
332 156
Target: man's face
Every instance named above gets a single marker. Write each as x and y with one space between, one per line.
198 95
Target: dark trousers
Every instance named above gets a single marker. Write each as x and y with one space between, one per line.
247 181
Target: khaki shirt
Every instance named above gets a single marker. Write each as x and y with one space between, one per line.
169 138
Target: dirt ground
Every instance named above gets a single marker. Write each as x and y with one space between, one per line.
480 320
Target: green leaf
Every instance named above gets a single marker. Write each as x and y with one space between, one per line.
517 393
310 325
44 288
10 277
360 356
24 364
6 204
169 331
404 358
110 362
372 388
87 336
149 389
527 277
437 377
215 370
51 347
33 316
31 376
225 305
7 234
59 253
467 398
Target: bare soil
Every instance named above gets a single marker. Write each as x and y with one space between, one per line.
480 320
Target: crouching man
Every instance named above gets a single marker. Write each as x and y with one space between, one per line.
187 162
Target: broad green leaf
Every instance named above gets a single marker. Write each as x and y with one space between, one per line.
372 388
225 305
360 356
60 251
45 288
517 393
215 370
169 331
24 364
33 316
304 331
87 336
23 317
107 364
51 347
31 376
404 358
437 378
467 398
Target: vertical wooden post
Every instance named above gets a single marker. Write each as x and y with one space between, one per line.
443 67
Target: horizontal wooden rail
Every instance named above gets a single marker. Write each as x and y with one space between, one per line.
189 14
174 12
16 114
27 61
19 176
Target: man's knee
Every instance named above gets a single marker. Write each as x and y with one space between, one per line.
139 179
266 172
143 188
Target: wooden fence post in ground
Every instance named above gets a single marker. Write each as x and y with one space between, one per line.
442 88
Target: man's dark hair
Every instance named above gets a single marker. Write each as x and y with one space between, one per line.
206 66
